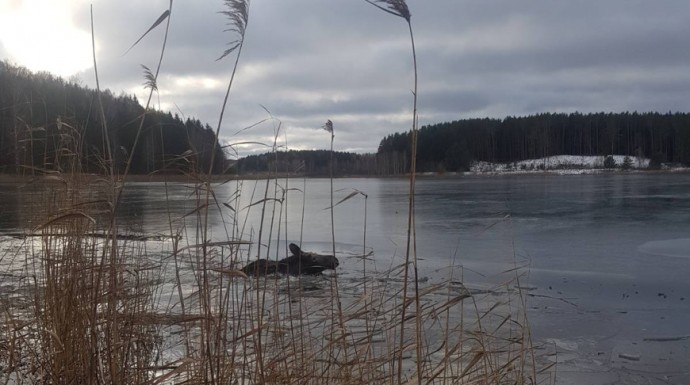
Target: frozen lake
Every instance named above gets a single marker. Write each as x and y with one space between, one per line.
607 256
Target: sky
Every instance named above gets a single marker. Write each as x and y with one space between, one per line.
307 61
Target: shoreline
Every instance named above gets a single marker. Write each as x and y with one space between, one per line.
10 178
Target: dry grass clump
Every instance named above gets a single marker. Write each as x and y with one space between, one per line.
71 314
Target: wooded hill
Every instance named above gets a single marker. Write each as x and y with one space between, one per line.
47 122
664 138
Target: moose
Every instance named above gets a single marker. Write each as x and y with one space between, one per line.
299 263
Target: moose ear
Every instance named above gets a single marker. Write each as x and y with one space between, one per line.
294 249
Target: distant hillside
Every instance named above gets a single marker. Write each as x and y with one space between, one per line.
455 146
47 122
308 162
466 144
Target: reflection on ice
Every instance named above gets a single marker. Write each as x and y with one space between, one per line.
679 248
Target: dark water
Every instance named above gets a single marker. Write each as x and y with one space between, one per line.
607 257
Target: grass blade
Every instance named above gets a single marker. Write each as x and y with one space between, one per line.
161 18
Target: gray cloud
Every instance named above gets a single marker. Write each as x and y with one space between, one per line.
311 60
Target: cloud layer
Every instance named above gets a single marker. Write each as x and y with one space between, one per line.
307 61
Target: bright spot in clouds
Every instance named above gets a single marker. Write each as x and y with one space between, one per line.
40 35
197 82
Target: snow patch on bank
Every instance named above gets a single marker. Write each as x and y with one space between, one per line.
564 164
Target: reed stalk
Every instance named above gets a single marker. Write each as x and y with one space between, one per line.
399 8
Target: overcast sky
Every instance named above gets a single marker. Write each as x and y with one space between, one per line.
307 61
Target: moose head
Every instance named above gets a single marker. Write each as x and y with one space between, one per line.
306 263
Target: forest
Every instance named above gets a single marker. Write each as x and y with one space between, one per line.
453 146
45 120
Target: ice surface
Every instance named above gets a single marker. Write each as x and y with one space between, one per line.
679 248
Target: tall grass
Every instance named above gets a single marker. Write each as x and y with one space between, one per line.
94 304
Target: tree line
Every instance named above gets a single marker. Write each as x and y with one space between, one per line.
453 146
315 163
48 124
